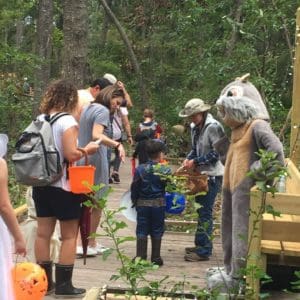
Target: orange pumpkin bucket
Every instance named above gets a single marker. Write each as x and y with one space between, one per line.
81 177
29 281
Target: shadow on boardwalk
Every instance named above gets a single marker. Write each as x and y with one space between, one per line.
97 272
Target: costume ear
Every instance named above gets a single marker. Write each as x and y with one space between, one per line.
3 144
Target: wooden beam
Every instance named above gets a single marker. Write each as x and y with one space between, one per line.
254 247
292 181
285 203
295 117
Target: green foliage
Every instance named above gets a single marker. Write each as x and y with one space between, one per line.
265 177
269 170
183 50
296 284
133 271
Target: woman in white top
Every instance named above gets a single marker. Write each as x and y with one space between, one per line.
56 201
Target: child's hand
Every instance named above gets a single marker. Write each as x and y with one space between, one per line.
20 247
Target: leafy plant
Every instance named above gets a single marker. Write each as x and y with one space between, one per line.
133 271
265 177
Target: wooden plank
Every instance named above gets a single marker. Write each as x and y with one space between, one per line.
180 222
254 243
271 247
295 116
282 230
292 181
291 249
285 203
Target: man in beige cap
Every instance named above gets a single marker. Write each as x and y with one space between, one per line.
205 132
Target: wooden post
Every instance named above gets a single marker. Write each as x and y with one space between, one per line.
295 117
254 238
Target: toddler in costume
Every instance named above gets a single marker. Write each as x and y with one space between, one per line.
8 225
147 195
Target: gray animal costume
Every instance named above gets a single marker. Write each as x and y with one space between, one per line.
242 109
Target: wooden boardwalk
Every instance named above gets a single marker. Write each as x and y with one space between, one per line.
97 272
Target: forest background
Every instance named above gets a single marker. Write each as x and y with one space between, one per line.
165 51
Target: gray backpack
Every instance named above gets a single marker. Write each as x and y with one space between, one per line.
36 160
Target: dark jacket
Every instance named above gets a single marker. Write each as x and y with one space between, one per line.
146 184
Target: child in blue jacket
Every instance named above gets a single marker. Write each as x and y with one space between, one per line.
147 195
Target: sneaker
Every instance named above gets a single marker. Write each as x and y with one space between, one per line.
190 250
110 180
90 251
100 248
116 177
193 256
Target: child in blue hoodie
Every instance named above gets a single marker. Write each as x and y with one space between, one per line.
147 195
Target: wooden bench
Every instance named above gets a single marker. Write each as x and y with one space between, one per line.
272 239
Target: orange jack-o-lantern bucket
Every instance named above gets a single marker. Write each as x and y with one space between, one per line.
29 281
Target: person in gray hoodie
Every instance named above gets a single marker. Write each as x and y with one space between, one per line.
205 132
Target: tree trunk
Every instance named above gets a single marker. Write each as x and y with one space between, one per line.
19 33
105 26
75 28
132 56
234 34
43 49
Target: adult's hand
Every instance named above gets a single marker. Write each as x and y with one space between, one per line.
122 152
91 147
130 140
188 163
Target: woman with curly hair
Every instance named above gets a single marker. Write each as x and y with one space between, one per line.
56 201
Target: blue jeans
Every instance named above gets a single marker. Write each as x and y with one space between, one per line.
204 231
150 221
117 160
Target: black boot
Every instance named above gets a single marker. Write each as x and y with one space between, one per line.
64 287
47 266
141 247
155 255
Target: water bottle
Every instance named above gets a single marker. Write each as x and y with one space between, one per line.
281 187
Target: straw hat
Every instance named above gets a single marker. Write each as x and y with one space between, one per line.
193 107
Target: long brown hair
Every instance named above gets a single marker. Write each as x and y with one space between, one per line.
108 93
61 95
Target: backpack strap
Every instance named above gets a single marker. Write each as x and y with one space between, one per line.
55 117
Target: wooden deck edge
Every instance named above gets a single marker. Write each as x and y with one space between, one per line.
119 293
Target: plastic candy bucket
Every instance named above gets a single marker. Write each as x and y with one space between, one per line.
29 281
175 203
81 177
